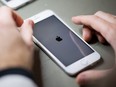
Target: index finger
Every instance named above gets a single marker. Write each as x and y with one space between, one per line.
96 23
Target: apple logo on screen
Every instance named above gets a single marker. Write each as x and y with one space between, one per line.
58 38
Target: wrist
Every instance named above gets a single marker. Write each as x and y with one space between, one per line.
20 58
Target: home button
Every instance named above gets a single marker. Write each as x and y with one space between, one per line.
84 62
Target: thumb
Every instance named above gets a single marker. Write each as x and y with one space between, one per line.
91 76
26 32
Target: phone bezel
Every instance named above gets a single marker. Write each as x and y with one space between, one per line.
78 65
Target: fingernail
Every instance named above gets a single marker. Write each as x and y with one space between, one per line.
82 80
73 17
86 36
31 23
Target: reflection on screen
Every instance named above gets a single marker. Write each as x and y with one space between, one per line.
60 41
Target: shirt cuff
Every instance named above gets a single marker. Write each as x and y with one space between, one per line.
18 71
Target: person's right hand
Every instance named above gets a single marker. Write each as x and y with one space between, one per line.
103 25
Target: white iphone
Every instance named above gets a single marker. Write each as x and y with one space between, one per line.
61 43
15 3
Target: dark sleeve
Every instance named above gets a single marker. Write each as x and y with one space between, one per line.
16 71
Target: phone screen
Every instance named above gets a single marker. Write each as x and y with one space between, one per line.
60 40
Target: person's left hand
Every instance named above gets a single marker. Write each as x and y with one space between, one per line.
16 45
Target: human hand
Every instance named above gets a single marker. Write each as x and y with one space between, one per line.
16 45
103 25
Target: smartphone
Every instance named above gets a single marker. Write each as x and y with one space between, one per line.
15 4
62 44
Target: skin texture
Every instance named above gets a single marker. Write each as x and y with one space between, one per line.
103 25
16 45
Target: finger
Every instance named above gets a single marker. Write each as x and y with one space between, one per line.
89 77
96 23
8 16
18 20
26 32
87 33
106 16
101 39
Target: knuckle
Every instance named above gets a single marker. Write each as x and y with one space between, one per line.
94 18
98 12
111 31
